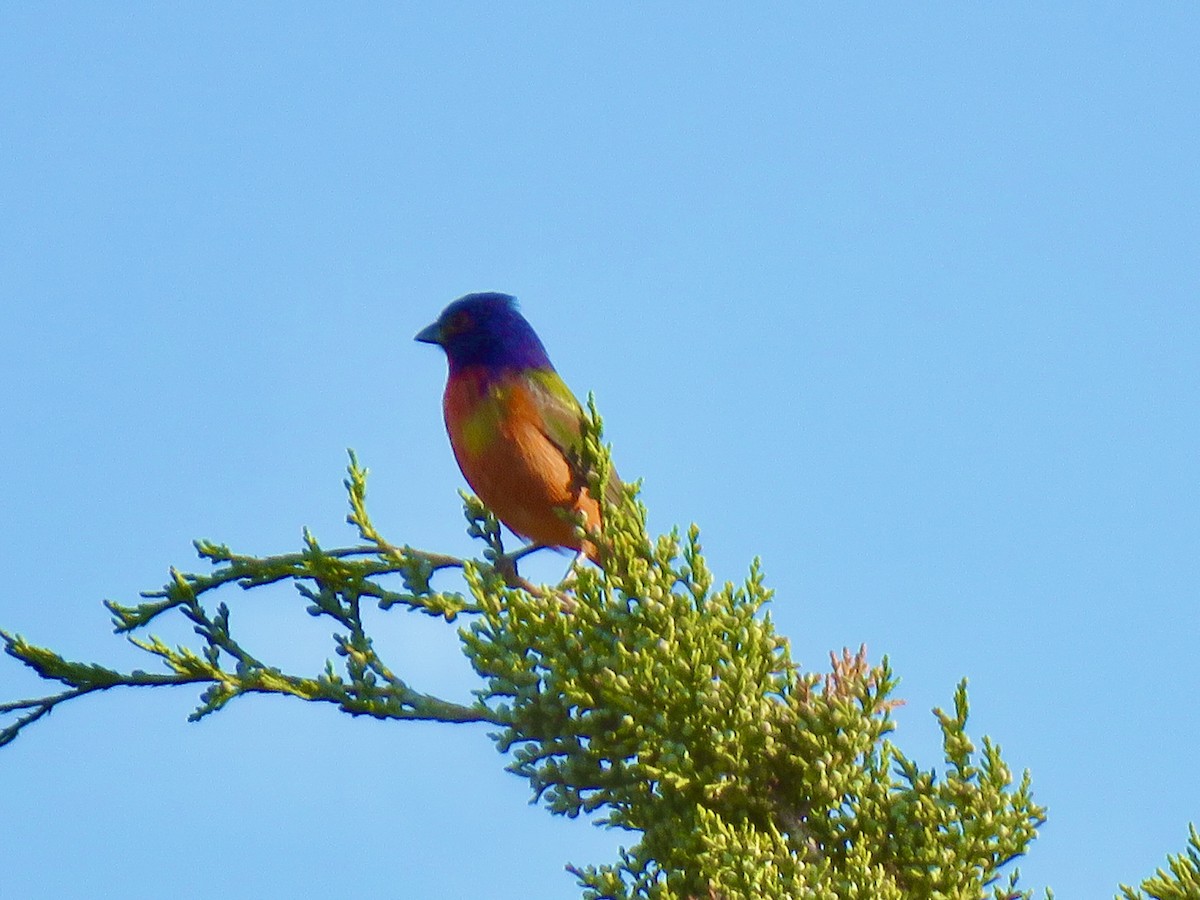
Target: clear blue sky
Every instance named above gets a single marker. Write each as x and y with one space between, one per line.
905 301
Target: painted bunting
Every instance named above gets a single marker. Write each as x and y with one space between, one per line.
514 424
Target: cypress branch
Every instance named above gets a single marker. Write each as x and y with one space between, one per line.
644 694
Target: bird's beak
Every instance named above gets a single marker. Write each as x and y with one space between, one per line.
430 334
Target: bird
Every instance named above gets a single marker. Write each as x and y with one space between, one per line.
514 425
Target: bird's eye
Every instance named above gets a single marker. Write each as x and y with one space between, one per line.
458 323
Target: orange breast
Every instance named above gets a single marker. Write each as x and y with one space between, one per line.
523 477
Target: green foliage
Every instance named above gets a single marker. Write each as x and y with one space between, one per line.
641 693
673 710
1182 882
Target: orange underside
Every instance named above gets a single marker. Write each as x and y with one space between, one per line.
512 466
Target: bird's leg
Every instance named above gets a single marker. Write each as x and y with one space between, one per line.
581 522
576 561
507 567
567 582
506 563
525 551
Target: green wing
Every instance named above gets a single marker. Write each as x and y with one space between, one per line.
562 419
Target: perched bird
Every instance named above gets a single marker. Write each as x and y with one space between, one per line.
514 424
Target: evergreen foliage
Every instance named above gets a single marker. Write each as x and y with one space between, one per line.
641 693
1182 882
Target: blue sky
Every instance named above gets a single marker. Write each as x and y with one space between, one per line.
903 300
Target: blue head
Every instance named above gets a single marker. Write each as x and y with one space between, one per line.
486 330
